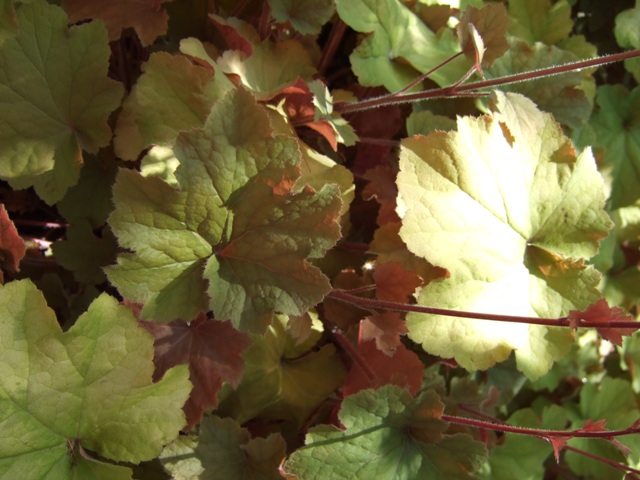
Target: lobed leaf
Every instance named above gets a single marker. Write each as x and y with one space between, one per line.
85 389
502 204
57 99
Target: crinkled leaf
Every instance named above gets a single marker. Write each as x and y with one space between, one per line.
283 387
223 449
388 434
171 95
12 246
306 16
617 126
236 215
212 349
614 400
398 46
147 17
561 95
540 20
89 387
502 204
85 253
56 97
490 25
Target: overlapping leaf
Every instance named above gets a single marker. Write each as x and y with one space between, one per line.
306 16
12 246
89 388
224 450
147 17
283 381
388 435
235 217
56 99
509 210
399 46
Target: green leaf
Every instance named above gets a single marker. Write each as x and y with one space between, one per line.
388 435
615 401
398 46
306 16
323 101
523 456
617 126
236 201
85 389
57 99
540 20
171 95
281 381
503 204
223 449
561 95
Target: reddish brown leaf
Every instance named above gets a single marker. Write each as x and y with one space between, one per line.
404 369
234 38
558 444
12 246
298 103
394 283
211 348
147 17
385 328
601 313
383 188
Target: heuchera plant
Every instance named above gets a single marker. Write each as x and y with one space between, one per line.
319 239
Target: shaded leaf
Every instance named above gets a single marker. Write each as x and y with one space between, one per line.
540 20
386 328
210 348
306 16
147 17
89 387
388 434
281 382
543 198
12 246
224 450
57 99
323 101
402 367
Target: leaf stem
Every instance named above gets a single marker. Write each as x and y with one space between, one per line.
371 303
335 37
472 88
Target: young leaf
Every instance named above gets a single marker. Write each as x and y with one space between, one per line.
146 17
212 350
491 203
398 46
601 313
388 434
323 101
236 201
490 25
224 450
57 99
88 388
12 246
